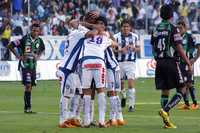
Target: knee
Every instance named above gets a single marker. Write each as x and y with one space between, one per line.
28 87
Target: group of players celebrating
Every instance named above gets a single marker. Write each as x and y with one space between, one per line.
89 65
95 60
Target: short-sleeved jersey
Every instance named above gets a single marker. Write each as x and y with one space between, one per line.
27 47
73 39
164 40
94 49
189 45
123 41
111 61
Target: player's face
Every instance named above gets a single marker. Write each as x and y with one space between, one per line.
126 29
35 32
101 25
181 28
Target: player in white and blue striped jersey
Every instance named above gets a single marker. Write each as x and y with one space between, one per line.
128 47
67 67
113 85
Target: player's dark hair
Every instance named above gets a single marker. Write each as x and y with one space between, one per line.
126 21
35 25
182 22
103 19
166 12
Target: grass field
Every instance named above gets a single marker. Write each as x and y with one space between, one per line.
46 98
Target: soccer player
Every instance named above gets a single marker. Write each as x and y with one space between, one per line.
28 50
93 67
128 46
113 86
166 42
69 80
192 50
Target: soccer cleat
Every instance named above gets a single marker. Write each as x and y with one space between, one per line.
120 122
68 124
195 106
184 107
123 102
28 111
75 122
102 125
62 125
131 109
93 124
171 126
166 120
110 123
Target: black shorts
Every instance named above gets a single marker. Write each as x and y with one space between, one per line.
187 76
168 75
28 76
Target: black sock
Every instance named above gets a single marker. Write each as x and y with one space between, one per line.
193 94
173 102
164 100
27 100
186 99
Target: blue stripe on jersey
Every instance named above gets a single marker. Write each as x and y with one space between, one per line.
123 41
111 62
75 52
130 56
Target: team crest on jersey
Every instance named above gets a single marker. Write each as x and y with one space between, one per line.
28 49
37 45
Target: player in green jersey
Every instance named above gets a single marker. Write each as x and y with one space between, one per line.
28 50
166 42
192 50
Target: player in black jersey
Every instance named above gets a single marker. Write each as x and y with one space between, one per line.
167 49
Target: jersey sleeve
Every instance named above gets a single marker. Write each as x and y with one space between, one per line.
109 42
176 36
196 41
82 31
137 40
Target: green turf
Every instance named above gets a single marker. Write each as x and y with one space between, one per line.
46 99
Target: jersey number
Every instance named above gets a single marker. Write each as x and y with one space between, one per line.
97 41
161 44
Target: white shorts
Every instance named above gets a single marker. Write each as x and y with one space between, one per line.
127 69
113 82
69 84
88 74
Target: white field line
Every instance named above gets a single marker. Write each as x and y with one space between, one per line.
126 115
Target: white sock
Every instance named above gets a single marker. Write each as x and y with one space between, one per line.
92 111
86 109
119 109
131 97
79 109
113 104
74 105
101 107
64 114
123 93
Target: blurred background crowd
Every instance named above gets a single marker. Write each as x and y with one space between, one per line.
54 14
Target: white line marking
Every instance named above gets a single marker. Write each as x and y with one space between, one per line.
126 115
